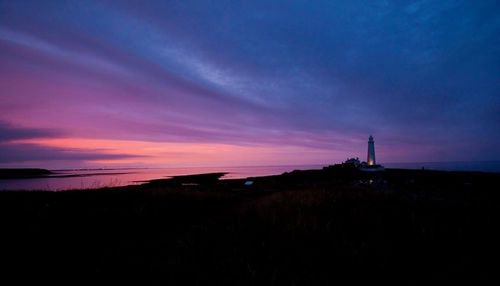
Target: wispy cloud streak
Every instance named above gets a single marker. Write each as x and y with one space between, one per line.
320 77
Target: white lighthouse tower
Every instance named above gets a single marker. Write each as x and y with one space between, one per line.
371 152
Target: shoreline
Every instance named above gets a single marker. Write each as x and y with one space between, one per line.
212 178
305 227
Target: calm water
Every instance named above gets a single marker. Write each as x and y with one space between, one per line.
111 178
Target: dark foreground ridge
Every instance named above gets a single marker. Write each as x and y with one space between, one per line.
317 227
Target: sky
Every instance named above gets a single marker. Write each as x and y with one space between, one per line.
245 83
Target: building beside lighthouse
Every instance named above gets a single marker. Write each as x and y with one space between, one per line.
370 165
371 152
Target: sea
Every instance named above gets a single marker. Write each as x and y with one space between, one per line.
82 179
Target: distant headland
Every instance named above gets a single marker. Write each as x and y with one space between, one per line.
24 173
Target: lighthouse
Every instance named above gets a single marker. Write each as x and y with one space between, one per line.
371 152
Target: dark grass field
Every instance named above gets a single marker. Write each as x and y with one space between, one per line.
323 227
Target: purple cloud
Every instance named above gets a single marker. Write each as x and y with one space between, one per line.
419 76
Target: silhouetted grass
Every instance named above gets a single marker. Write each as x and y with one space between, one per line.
301 228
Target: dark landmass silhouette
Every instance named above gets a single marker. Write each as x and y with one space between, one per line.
195 179
23 173
313 227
